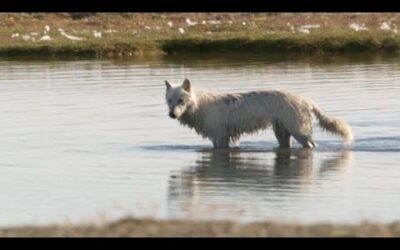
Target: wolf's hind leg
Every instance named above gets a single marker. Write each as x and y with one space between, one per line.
281 134
305 140
300 127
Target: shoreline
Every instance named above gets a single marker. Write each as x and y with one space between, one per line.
105 35
132 227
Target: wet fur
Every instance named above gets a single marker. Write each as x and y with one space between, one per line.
223 118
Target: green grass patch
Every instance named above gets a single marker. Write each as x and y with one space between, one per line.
143 34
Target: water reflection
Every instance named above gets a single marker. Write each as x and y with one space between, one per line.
236 176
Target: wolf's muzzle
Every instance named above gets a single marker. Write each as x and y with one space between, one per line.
172 115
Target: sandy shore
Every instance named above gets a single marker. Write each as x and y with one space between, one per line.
130 227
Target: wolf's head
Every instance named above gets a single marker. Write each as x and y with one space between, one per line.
178 98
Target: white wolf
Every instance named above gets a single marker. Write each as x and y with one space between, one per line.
223 118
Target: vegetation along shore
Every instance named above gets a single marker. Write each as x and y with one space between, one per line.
130 34
131 227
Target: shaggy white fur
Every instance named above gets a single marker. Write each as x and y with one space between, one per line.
223 118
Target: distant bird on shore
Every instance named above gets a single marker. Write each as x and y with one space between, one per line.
385 26
26 37
45 38
190 23
304 31
215 22
357 27
96 34
310 26
46 29
291 27
75 38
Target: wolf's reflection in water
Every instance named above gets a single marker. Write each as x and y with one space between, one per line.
252 178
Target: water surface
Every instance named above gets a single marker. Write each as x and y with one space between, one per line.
86 140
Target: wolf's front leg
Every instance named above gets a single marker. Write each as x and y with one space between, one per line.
221 142
235 142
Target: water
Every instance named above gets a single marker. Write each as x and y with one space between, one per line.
89 140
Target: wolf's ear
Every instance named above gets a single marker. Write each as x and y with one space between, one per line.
186 85
168 85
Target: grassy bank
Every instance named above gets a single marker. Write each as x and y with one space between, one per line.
129 34
148 227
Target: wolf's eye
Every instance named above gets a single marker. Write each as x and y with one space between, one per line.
180 100
169 101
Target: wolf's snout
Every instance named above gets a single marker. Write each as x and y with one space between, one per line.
172 115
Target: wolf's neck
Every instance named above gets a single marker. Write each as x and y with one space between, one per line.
200 99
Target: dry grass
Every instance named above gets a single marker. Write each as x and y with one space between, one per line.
130 34
175 228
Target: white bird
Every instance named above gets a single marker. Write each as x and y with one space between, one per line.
244 23
385 26
181 30
190 23
15 35
290 26
34 33
147 27
357 27
96 34
304 31
214 22
204 22
170 24
46 29
310 26
26 37
74 38
45 38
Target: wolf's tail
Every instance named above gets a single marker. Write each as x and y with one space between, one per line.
333 125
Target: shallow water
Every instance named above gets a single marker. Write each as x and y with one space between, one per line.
89 140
